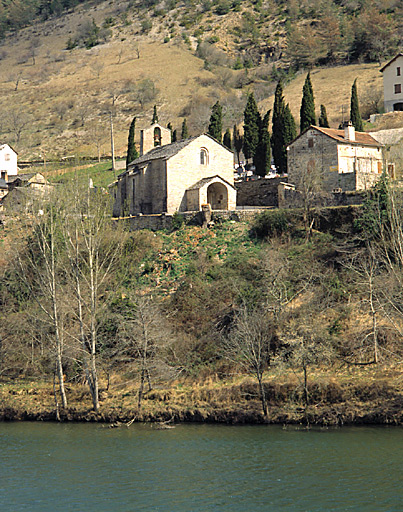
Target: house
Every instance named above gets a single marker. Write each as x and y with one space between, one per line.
343 160
393 84
8 162
176 177
34 181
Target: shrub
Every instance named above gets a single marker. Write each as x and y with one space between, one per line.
270 223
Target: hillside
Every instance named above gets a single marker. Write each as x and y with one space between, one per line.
125 57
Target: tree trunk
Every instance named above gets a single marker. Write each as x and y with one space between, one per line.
262 395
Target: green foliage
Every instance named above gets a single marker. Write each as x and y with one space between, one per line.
355 116
184 132
237 141
307 112
132 153
227 139
177 221
283 131
215 125
251 127
375 211
323 122
271 223
262 156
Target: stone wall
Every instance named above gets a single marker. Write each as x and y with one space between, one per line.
263 192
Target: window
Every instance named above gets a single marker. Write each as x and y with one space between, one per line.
397 71
203 157
7 157
398 88
310 143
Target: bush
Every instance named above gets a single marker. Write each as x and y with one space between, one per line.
270 223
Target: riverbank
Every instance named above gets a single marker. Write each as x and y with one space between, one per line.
370 396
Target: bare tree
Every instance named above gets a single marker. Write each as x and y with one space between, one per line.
16 78
250 344
16 122
97 67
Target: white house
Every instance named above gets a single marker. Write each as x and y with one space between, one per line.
393 84
8 162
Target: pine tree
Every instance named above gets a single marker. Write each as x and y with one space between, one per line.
238 142
155 116
355 115
262 157
132 153
227 139
215 126
251 127
323 122
184 133
277 139
307 113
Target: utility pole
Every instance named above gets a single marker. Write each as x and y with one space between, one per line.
112 145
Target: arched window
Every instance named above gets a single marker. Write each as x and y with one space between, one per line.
157 136
203 156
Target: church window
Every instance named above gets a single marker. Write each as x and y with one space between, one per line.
203 156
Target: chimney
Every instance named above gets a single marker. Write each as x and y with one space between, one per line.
349 131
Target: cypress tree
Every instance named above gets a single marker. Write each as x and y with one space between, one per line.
323 122
215 126
184 133
307 112
227 139
132 153
277 139
169 126
174 135
262 155
155 116
251 127
290 133
238 142
355 116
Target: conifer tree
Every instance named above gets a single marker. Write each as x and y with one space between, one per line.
155 116
169 126
251 127
238 142
262 156
227 139
132 153
277 138
184 133
323 122
355 115
215 126
290 133
174 135
307 112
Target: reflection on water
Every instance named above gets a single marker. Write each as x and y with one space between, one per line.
77 467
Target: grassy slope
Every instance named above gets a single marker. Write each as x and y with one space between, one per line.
71 78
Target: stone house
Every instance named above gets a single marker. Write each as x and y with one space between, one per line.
393 84
343 160
34 181
8 162
177 177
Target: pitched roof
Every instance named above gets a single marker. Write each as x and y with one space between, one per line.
204 181
163 152
390 62
361 138
3 184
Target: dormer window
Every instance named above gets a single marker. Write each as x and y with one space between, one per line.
203 157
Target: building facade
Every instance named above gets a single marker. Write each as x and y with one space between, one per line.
343 160
393 84
177 177
8 162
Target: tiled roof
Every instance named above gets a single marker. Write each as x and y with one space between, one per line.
163 152
3 184
204 181
360 137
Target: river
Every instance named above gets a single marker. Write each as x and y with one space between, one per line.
199 468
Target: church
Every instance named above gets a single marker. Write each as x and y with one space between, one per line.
175 177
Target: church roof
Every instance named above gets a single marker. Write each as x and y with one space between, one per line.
204 181
162 152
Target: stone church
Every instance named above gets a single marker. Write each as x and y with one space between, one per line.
175 177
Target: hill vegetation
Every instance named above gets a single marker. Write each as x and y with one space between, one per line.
68 66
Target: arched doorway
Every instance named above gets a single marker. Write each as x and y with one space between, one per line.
217 196
398 107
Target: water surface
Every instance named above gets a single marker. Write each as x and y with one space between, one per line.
194 468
